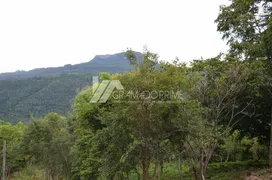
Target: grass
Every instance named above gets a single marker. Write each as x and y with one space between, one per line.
29 173
215 171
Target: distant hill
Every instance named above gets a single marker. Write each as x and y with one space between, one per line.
44 90
40 95
101 63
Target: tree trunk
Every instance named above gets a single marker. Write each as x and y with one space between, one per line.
202 165
228 154
270 146
180 168
159 172
194 173
4 160
155 172
205 160
113 177
145 169
65 171
47 176
161 164
145 164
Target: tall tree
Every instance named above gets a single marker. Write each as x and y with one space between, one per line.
218 90
47 143
246 25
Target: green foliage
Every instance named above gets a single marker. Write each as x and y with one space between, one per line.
134 135
45 90
13 135
246 26
30 172
47 143
39 96
104 76
237 147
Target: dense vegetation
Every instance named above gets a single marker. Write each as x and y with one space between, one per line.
216 126
21 99
40 91
142 138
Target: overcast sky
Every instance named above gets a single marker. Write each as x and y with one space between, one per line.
48 33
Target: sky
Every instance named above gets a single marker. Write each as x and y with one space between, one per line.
51 33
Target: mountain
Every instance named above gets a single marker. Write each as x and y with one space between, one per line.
21 98
101 63
40 91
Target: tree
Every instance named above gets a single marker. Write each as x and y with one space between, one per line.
218 90
246 24
13 135
136 125
87 125
47 143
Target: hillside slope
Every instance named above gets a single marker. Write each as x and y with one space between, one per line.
19 99
40 91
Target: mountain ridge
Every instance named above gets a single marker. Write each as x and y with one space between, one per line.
43 90
108 63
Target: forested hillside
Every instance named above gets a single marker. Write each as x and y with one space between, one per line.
21 99
37 92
